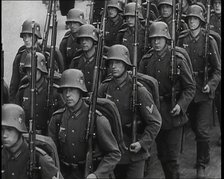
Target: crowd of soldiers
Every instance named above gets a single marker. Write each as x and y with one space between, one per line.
182 54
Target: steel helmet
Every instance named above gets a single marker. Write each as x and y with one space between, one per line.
87 30
159 29
75 15
129 10
167 2
116 4
27 28
196 11
14 116
41 62
73 78
119 52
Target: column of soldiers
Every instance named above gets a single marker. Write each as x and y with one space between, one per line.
176 60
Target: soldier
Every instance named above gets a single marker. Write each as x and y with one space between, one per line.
114 21
156 64
166 10
69 45
18 63
193 40
119 90
68 127
215 24
15 150
87 37
126 34
43 113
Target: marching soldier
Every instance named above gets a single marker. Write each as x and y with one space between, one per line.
87 37
200 109
114 21
119 90
23 99
18 63
69 45
165 9
15 150
126 34
156 64
68 127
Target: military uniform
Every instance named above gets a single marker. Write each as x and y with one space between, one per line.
215 22
69 48
195 46
68 130
112 29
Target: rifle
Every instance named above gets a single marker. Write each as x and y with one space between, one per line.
2 74
207 27
47 26
91 4
134 76
179 15
32 129
51 67
146 26
93 98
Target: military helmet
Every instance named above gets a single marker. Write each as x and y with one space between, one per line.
195 11
41 62
213 1
159 29
14 116
87 30
75 15
116 4
167 2
119 52
27 28
129 10
72 78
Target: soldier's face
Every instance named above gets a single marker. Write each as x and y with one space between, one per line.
73 26
71 96
193 23
9 136
217 7
158 43
130 20
86 43
112 12
117 68
27 39
166 10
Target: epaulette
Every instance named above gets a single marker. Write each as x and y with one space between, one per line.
139 84
99 113
108 79
55 85
23 86
148 54
184 33
59 111
77 57
67 34
123 30
21 49
40 151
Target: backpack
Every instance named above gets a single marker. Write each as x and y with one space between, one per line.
46 144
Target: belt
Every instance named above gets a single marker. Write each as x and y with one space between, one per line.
70 165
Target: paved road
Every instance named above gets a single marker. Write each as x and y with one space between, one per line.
14 13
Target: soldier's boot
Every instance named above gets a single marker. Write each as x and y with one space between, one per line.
171 170
202 158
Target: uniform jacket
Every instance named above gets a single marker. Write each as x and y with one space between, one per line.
15 166
111 30
126 38
69 47
148 114
195 46
159 67
17 71
68 130
215 23
42 111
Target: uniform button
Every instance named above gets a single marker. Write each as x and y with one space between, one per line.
3 171
88 72
72 117
73 131
37 115
159 60
73 144
158 71
88 82
36 104
118 88
13 174
73 156
159 82
117 100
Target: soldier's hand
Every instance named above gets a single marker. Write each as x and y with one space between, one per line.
206 89
135 147
91 176
176 110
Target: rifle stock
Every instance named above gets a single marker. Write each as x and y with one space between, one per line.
134 77
206 43
93 98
